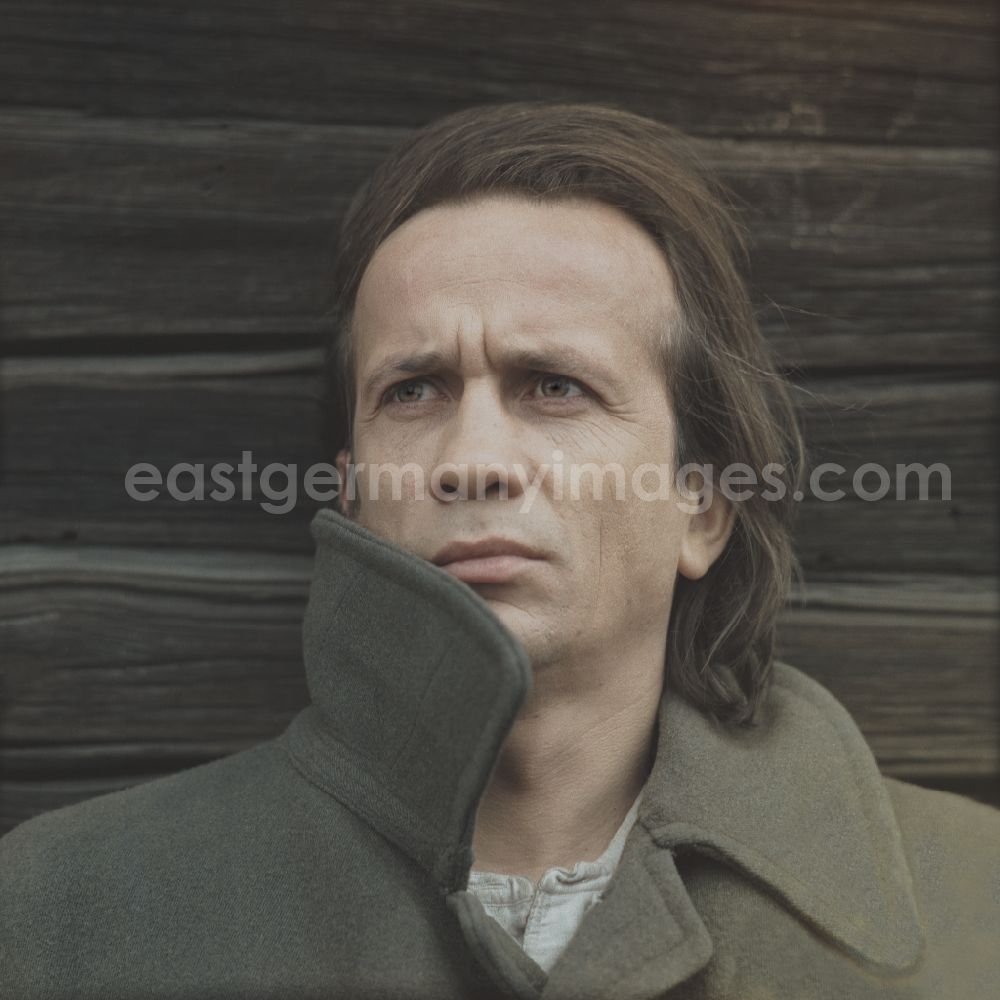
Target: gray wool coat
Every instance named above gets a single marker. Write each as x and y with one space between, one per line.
332 860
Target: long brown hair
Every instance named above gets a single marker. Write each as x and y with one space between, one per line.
731 405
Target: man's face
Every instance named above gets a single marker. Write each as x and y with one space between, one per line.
543 317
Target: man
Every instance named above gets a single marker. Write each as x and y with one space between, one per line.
549 751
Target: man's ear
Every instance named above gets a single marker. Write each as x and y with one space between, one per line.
343 461
706 537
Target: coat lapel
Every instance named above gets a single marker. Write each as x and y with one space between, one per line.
415 685
797 804
642 939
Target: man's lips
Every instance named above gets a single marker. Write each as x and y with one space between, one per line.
488 569
487 560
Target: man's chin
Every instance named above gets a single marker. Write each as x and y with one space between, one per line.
534 636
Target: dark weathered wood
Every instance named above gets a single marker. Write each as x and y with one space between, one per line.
925 536
109 645
123 760
874 74
855 318
122 664
893 421
135 229
918 674
864 257
915 661
74 427
884 592
960 14
140 230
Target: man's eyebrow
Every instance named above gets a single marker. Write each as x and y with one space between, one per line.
396 364
563 358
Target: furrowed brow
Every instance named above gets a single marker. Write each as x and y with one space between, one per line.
562 359
400 364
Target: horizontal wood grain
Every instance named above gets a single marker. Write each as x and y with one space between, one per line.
95 637
897 421
142 230
74 427
960 14
923 688
909 655
862 73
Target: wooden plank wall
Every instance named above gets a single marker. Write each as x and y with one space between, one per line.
172 178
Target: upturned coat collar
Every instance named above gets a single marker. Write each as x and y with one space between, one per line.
415 684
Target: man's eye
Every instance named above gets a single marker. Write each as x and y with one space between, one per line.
559 387
421 390
411 391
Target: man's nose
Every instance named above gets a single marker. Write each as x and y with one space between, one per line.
477 457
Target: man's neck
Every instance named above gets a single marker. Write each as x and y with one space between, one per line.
568 773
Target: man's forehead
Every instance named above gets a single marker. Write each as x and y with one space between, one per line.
524 265
550 244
